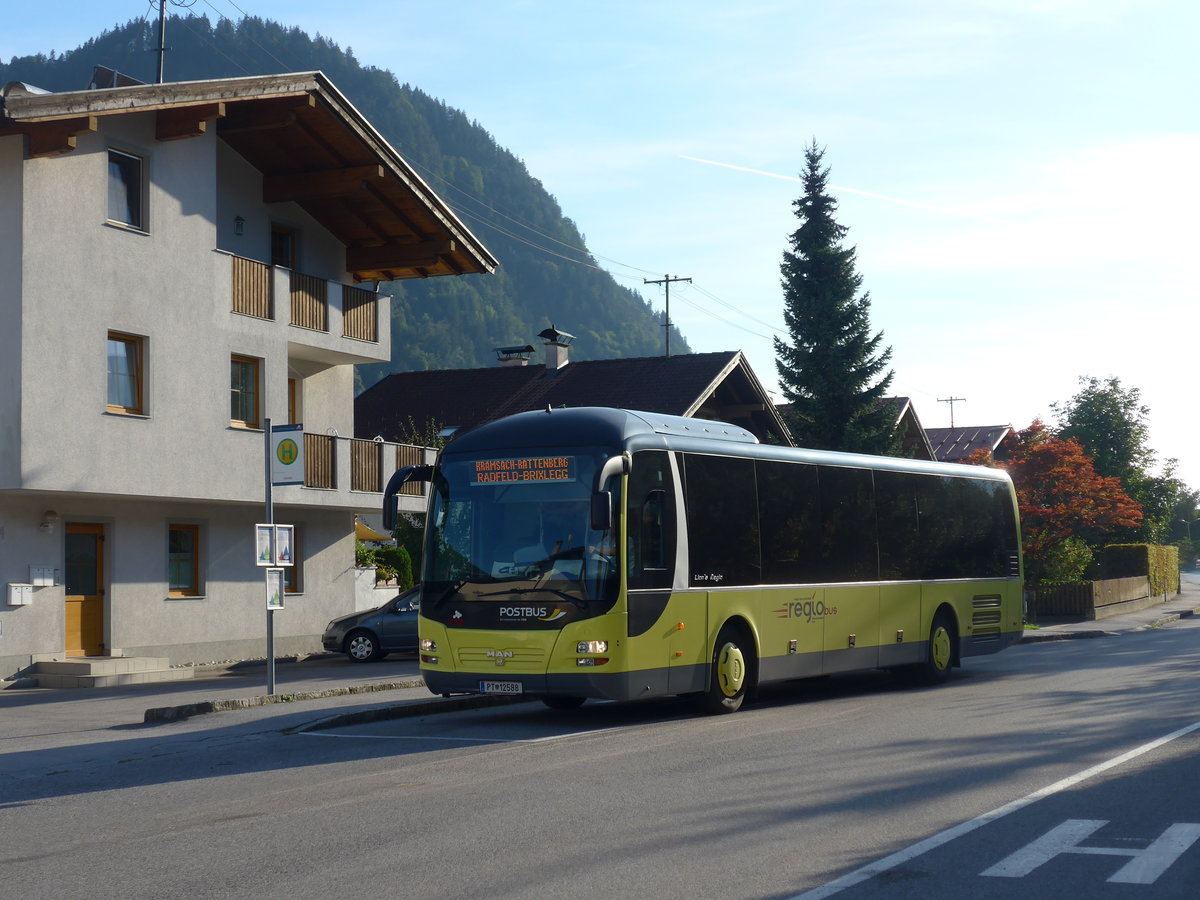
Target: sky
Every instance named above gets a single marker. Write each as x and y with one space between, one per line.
1019 177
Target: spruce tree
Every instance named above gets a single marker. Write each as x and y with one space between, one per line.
831 368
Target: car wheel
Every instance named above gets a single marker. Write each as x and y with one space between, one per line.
363 646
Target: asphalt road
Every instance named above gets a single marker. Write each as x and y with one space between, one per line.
851 787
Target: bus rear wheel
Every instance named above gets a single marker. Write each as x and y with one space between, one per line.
940 652
730 674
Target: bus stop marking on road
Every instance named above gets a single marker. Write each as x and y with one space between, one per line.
1145 866
869 871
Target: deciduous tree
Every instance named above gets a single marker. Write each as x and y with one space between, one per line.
1064 502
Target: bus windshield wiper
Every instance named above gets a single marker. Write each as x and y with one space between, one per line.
536 589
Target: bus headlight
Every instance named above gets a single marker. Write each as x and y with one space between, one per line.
428 646
591 647
590 661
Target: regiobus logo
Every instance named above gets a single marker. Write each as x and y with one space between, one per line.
806 609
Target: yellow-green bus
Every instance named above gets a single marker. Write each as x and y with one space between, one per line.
606 553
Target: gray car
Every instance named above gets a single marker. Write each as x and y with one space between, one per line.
371 635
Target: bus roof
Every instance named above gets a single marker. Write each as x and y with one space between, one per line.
624 429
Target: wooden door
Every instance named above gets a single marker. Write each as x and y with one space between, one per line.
85 589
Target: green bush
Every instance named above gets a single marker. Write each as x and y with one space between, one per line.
389 562
1067 561
1159 563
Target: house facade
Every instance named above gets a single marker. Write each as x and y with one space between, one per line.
179 264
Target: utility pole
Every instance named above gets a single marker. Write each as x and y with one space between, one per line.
665 281
162 38
952 401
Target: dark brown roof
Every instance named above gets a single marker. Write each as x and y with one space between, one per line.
956 444
703 385
311 146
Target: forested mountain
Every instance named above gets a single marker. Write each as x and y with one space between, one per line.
438 323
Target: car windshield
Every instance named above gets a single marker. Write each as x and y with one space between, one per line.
518 528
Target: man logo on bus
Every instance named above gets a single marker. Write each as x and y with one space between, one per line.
806 609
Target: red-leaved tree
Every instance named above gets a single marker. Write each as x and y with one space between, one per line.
1067 510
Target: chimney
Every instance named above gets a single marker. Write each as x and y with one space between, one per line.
514 356
557 343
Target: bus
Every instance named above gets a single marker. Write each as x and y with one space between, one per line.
620 555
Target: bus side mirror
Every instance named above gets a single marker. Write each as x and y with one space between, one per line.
391 503
602 511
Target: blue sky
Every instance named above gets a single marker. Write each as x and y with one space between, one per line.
1019 176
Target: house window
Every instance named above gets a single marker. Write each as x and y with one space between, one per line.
126 373
244 391
293 575
183 561
126 194
283 246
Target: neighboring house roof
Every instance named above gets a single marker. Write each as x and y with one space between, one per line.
913 441
311 146
956 444
914 438
701 385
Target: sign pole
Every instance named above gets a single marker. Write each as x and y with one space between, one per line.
271 522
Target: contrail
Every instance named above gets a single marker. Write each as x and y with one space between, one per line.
926 206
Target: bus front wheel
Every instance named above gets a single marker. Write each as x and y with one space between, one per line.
730 674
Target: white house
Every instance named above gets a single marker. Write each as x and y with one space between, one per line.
178 264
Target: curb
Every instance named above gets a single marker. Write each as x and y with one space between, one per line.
406 710
162 714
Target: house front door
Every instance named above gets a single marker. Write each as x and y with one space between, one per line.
85 589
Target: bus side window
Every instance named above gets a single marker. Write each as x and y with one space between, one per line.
650 522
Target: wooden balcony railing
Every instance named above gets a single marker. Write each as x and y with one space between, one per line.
252 294
366 465
310 305
358 314
320 460
252 288
366 471
408 455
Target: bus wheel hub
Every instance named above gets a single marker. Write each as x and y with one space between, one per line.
731 670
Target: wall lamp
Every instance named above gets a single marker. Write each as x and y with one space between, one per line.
239 226
49 519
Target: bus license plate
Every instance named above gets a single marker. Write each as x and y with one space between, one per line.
501 687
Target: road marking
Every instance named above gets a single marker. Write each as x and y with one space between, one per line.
1144 868
459 740
858 876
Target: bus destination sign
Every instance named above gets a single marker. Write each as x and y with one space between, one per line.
524 470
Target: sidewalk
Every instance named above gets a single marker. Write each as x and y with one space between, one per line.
1183 605
388 689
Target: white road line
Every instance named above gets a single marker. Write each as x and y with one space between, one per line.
858 876
460 740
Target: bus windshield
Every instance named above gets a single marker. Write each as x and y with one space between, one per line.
510 541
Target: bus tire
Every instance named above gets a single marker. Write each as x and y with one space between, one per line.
940 652
730 676
558 702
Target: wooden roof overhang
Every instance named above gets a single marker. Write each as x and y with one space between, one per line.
311 146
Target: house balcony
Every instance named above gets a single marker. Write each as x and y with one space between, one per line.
328 322
350 473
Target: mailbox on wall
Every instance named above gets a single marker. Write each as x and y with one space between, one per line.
20 594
